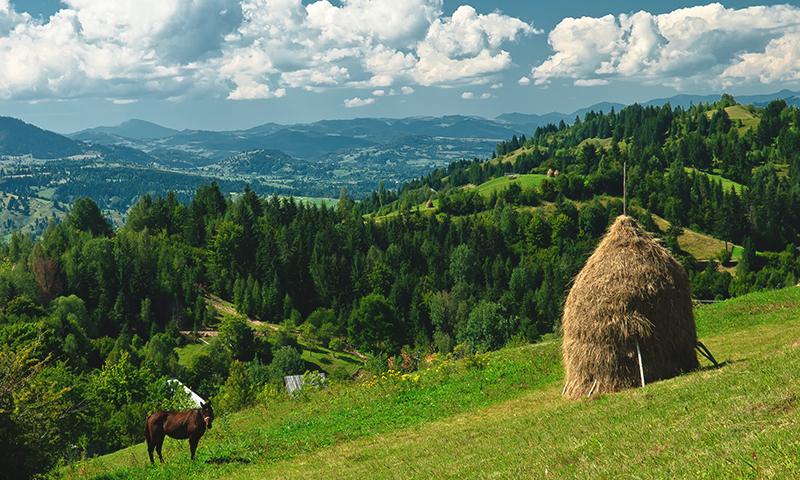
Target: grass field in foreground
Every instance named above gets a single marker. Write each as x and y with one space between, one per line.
507 419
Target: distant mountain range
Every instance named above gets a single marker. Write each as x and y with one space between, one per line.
305 141
328 138
328 154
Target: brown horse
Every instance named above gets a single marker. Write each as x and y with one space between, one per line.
179 425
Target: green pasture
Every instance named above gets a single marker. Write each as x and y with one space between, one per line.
726 184
499 184
500 415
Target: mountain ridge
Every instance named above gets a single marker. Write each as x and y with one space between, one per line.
315 139
684 100
133 128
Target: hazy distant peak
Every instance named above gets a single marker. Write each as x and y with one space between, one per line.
136 129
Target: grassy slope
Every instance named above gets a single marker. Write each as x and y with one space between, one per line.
327 360
731 422
499 184
736 421
726 184
702 247
739 112
39 210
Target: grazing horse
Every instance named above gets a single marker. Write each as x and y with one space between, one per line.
179 425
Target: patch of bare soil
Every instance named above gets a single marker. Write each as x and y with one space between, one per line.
227 309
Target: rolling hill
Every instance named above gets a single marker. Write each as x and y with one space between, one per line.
137 129
20 139
260 162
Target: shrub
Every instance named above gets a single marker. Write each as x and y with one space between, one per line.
336 344
32 408
286 361
237 336
238 392
311 381
259 372
376 364
443 342
724 256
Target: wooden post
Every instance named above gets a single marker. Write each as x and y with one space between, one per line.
624 187
641 369
706 353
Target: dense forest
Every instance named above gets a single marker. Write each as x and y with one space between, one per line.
90 317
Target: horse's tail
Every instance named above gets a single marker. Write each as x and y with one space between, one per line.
147 431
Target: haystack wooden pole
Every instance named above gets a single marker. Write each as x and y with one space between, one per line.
706 353
594 384
624 187
641 369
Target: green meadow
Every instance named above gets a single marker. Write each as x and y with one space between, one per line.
500 415
499 184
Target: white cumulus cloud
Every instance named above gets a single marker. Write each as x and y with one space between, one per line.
358 102
246 49
780 61
466 46
590 82
114 49
709 45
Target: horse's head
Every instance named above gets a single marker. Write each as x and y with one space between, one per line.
208 414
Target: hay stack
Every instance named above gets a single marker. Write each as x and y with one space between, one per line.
630 291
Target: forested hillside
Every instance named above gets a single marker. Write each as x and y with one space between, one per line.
93 315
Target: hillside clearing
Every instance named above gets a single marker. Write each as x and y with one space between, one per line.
702 247
498 184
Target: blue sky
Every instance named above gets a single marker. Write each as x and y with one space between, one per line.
232 64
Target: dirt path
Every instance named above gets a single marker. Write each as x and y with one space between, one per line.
226 309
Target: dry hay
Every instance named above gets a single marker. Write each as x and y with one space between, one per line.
630 291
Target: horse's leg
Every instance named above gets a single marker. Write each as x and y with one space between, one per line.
193 441
159 443
150 447
149 442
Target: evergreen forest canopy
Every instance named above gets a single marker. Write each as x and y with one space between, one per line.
92 316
